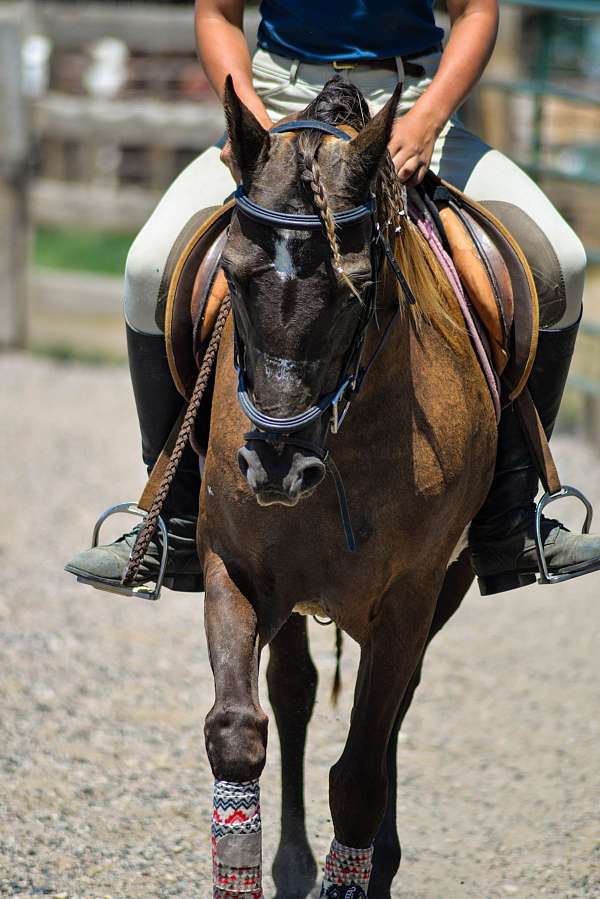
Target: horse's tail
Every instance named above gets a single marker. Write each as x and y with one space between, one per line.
337 678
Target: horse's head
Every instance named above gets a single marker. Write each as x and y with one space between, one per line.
301 288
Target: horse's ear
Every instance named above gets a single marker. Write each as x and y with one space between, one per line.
248 138
369 145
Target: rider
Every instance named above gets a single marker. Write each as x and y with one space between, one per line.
373 43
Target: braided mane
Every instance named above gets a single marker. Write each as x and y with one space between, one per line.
341 103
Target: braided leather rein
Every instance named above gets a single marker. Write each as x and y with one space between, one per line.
151 520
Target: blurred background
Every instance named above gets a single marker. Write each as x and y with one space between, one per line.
104 782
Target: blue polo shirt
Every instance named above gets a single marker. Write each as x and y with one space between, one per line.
317 30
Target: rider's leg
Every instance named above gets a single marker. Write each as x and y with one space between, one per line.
204 183
502 535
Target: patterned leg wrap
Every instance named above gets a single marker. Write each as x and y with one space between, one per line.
347 872
236 841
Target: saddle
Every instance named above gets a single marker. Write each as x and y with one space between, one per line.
494 276
496 279
197 288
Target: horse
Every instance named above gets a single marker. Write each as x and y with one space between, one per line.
324 269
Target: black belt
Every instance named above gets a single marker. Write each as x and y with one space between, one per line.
388 63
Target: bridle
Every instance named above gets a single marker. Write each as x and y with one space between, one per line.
286 430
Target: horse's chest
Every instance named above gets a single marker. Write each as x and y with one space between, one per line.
300 554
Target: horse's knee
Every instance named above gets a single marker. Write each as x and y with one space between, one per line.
236 742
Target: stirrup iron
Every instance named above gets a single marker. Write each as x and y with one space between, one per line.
142 590
545 575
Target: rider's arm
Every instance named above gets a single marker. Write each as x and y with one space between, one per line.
223 51
469 47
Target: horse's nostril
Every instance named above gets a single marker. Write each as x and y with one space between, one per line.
252 468
312 475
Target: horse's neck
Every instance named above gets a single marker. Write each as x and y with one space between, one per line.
385 353
414 372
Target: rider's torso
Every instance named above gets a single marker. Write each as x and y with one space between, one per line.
359 29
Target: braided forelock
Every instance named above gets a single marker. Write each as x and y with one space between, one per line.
310 174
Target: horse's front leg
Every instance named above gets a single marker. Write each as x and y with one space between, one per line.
358 781
236 736
292 680
387 852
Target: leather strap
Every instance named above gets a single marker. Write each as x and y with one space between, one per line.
537 441
308 124
156 475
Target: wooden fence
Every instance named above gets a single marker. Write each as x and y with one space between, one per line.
111 157
13 176
100 159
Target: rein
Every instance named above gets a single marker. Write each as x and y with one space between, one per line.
285 430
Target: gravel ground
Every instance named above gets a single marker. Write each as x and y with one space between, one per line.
105 787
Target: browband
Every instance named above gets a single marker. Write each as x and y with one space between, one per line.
303 124
298 220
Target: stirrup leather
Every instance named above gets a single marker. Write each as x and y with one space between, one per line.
545 575
142 590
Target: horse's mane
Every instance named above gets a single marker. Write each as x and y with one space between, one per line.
342 103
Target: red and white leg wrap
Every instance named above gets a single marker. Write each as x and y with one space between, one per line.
236 841
347 872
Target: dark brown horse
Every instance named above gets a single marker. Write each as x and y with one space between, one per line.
416 453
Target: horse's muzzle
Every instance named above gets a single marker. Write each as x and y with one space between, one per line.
279 474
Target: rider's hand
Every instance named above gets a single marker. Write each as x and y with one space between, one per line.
411 145
227 158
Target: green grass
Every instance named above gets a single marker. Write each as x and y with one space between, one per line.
63 352
102 252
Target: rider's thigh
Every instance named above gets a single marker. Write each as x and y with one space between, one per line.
487 175
205 182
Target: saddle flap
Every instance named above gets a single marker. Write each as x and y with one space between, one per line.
504 258
485 278
193 271
209 290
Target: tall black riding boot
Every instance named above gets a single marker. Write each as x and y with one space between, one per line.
158 405
502 535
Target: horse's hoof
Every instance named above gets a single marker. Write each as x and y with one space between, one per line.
294 872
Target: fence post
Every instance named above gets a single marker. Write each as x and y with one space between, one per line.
14 230
591 418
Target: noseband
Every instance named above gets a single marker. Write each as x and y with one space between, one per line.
284 430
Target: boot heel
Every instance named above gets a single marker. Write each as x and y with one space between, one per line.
184 583
500 583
